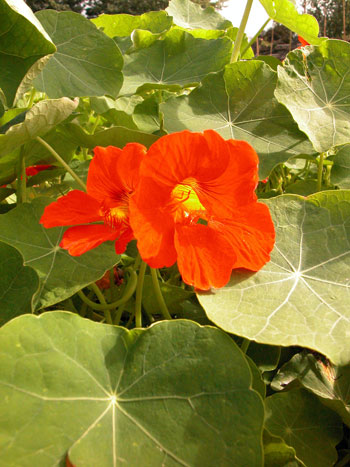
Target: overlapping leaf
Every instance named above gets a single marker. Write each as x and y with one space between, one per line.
340 174
301 296
189 15
23 41
87 62
176 61
110 396
239 103
314 85
61 275
309 427
18 284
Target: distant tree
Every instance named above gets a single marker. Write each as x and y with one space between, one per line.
218 4
59 5
333 17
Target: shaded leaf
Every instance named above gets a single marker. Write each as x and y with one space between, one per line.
17 286
301 296
340 174
189 15
173 394
277 453
257 383
23 41
177 60
314 85
265 357
239 103
304 423
60 274
87 62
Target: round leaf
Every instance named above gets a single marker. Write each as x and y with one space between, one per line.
173 394
301 297
189 15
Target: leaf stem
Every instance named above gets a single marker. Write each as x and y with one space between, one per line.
159 295
245 345
21 178
320 171
251 42
61 161
239 37
139 288
102 299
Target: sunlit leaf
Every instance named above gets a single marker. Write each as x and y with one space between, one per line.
87 62
304 423
301 296
17 286
239 103
23 41
173 394
189 15
61 275
314 85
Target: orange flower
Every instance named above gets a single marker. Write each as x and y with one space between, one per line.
195 204
35 169
303 42
112 178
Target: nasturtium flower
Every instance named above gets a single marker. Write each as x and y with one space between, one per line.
303 42
195 204
35 169
102 213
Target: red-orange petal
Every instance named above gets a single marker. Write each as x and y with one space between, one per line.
129 164
76 207
82 238
303 41
251 234
121 243
205 258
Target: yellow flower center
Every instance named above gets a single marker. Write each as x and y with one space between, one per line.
186 201
115 216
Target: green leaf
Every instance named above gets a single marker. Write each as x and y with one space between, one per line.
61 275
23 42
18 284
304 423
314 85
239 103
173 394
189 15
123 25
301 296
303 187
40 119
177 60
117 111
277 453
257 383
340 174
87 62
285 12
265 357
331 383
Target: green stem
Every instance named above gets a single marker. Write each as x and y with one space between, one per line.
95 125
21 178
159 295
102 299
139 288
239 38
31 98
320 171
245 345
61 161
251 42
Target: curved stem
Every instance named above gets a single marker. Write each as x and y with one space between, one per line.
238 41
320 172
245 345
61 161
251 42
102 299
159 295
139 288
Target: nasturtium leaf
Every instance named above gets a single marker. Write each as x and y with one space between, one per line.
87 62
304 423
61 275
340 174
257 383
40 119
23 41
117 111
277 453
18 284
285 12
314 85
303 187
331 383
173 394
175 61
189 15
265 357
301 296
239 103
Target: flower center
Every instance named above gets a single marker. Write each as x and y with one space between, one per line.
116 215
186 201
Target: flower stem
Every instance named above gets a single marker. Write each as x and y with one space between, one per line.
61 161
239 38
251 42
21 178
139 288
245 345
159 295
320 171
102 299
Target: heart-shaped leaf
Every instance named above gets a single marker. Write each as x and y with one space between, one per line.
239 103
301 296
314 85
17 286
61 275
173 394
189 15
87 62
